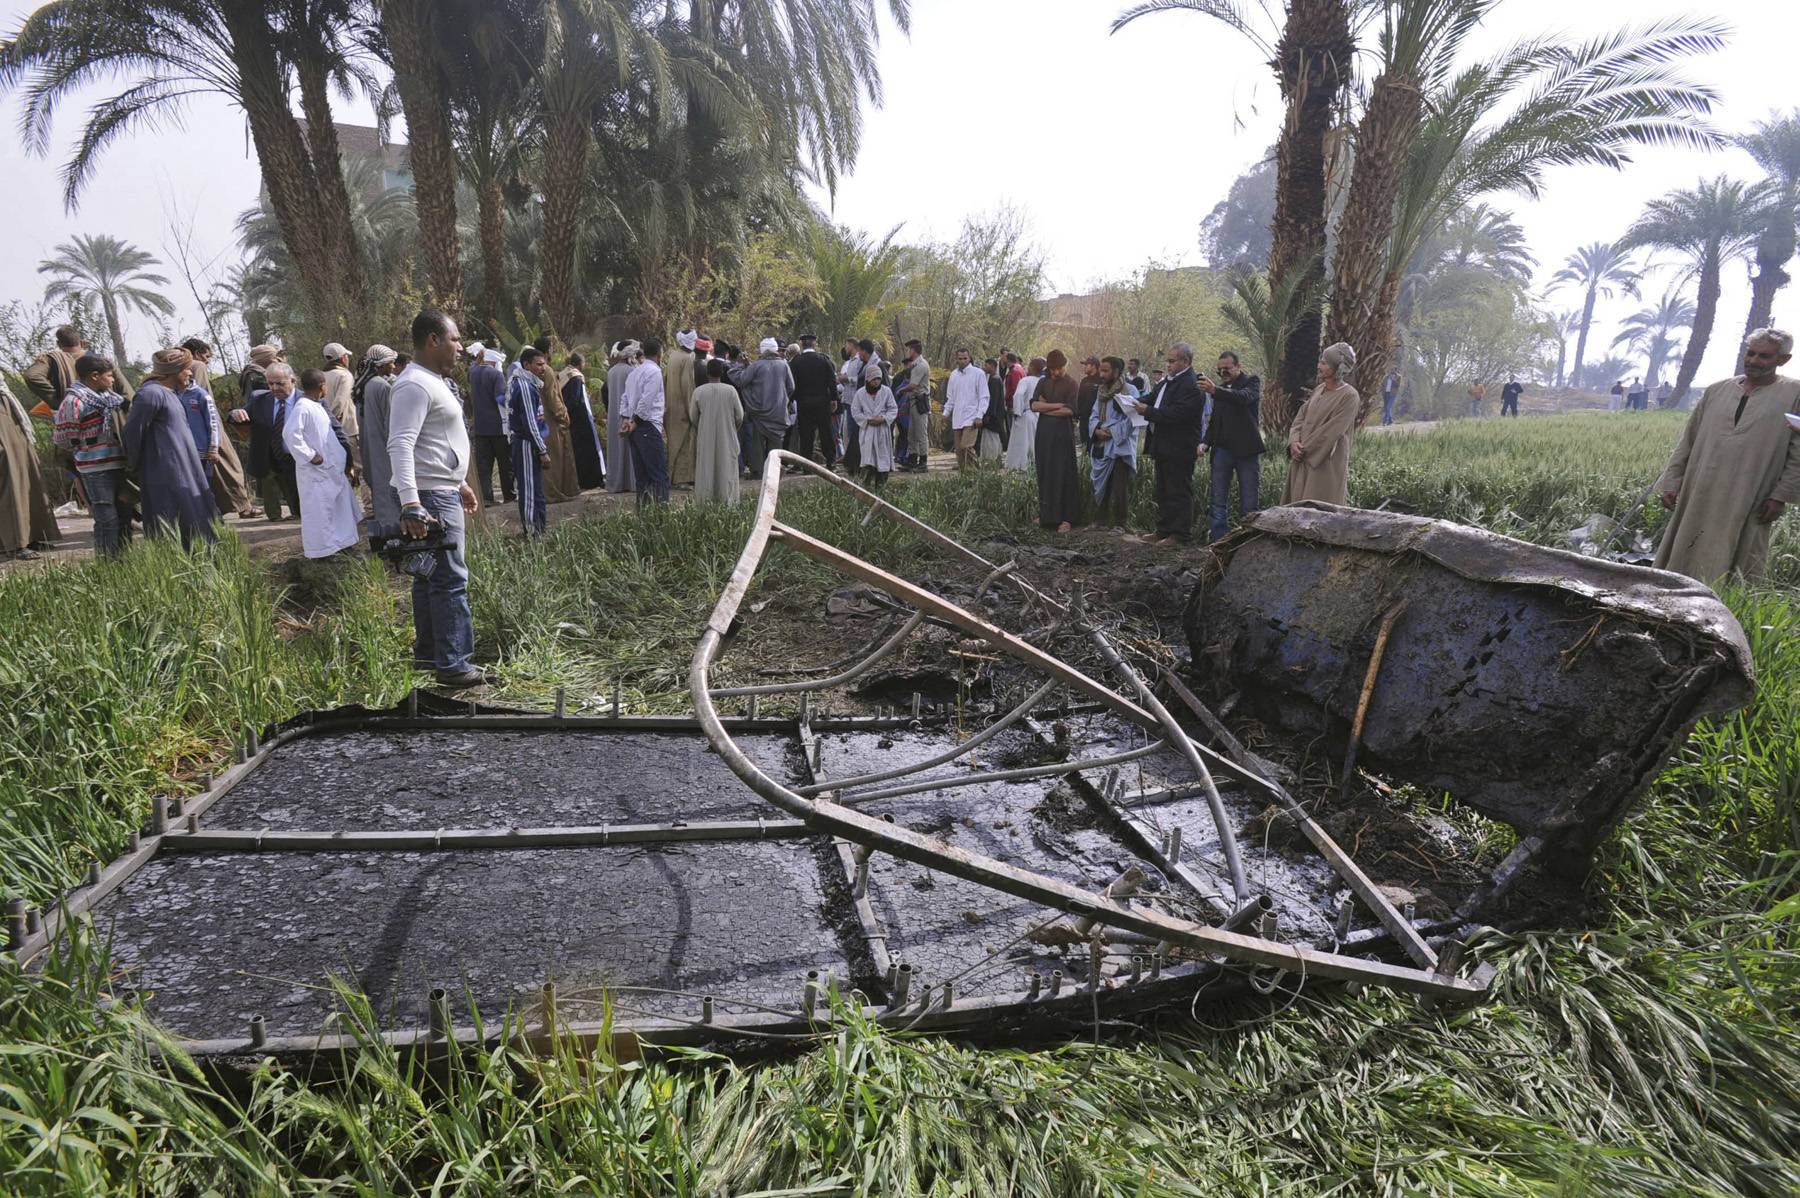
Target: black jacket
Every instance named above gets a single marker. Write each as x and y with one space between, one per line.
1236 424
1175 424
815 380
267 414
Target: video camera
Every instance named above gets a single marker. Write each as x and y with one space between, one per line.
417 556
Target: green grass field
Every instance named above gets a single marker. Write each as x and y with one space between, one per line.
1653 1049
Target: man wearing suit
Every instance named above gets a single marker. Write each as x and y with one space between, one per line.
489 429
1175 411
269 459
1233 430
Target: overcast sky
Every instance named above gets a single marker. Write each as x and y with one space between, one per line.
1116 147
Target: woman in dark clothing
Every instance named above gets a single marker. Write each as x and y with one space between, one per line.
584 434
1059 489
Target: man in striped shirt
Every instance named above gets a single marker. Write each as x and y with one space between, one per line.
87 426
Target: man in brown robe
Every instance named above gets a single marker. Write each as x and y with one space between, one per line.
52 372
25 517
1319 439
678 388
1735 469
230 490
561 482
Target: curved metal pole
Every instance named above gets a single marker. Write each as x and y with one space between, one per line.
1029 771
1227 838
850 675
986 734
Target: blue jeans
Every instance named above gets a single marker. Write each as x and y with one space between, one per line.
1249 478
443 628
650 456
1387 408
112 515
528 478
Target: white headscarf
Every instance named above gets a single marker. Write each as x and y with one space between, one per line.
768 345
686 338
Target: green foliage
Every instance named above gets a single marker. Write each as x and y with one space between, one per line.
1648 1049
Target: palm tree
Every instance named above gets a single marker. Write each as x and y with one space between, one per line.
1651 331
1775 145
1479 236
1567 325
1597 268
177 49
113 273
1311 55
1709 224
1564 103
1418 42
856 276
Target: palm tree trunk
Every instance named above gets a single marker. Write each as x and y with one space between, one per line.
1312 62
1363 297
565 166
1587 318
493 249
328 170
1706 310
114 328
429 151
281 151
1772 252
1562 358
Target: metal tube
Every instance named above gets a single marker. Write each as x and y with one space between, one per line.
547 1004
1345 910
133 840
193 822
1156 964
1035 771
93 874
986 734
1055 982
214 840
1175 844
902 990
15 924
1033 985
1095 960
34 922
861 886
949 999
750 710
850 675
618 706
809 994
917 702
259 1031
706 1009
561 701
251 742
439 1011
412 703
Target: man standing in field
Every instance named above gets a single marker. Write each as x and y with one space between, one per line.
966 402
1735 469
1509 396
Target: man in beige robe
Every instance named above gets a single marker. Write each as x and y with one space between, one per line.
1319 439
25 516
679 380
1735 469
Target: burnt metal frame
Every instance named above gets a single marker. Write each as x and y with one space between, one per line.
876 835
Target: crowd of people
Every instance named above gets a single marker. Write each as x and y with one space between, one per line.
401 447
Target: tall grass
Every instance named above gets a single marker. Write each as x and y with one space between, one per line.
1651 1049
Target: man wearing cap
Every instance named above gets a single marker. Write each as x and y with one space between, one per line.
375 388
678 388
815 401
765 385
621 474
340 384
488 437
171 481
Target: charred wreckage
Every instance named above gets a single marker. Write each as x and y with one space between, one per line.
1088 839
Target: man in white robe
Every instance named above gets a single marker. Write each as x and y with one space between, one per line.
874 410
1019 454
966 403
323 472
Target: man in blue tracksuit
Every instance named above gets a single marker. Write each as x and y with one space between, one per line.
530 437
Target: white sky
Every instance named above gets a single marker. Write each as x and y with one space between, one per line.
1116 147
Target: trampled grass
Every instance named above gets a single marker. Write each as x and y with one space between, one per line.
1653 1049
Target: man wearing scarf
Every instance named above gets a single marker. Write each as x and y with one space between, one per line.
766 385
170 477
623 475
373 396
25 516
1112 445
678 388
340 386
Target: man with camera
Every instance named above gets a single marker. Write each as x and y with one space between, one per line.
429 448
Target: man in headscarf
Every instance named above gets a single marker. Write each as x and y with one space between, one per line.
340 385
171 480
225 472
766 385
52 372
25 516
1735 469
373 396
487 425
561 480
678 388
622 472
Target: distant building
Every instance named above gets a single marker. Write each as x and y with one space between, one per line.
360 141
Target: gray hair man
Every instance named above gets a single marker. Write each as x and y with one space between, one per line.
1736 467
1176 410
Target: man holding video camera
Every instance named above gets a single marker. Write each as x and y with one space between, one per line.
429 447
